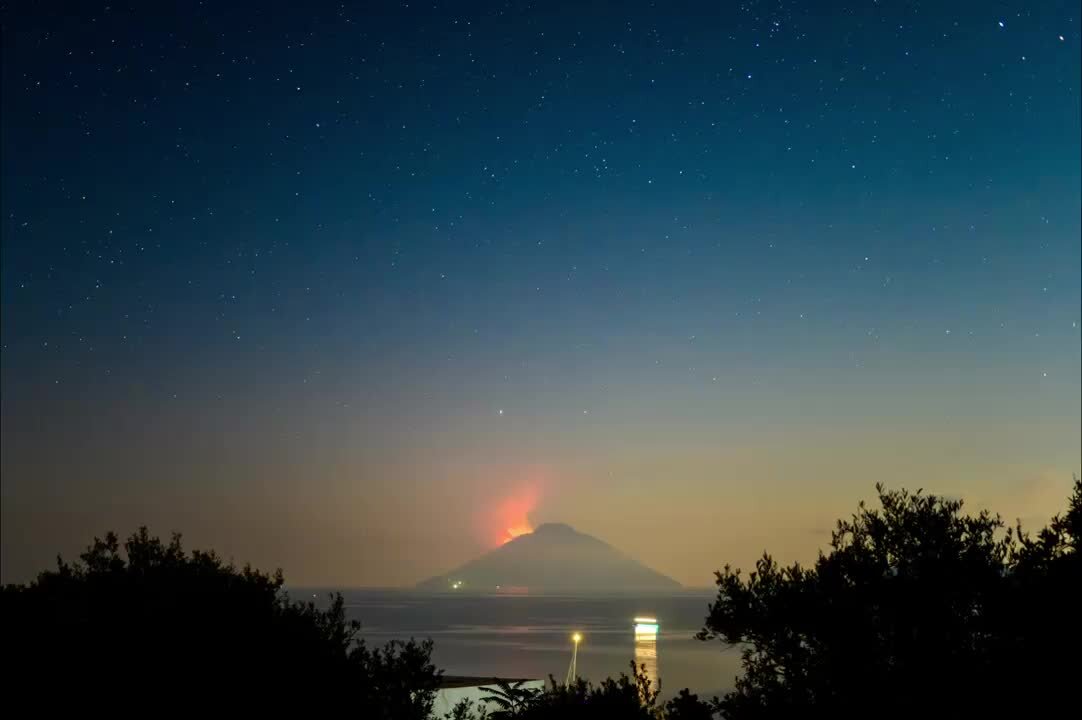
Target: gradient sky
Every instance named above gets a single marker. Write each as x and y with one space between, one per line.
351 289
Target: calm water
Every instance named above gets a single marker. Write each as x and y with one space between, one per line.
529 636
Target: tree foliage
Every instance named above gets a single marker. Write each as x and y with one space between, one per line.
467 709
509 697
917 607
627 697
164 623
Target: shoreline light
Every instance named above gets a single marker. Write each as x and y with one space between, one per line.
573 668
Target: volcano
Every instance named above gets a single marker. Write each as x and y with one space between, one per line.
554 558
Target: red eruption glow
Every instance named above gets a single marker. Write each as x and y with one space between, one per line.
511 516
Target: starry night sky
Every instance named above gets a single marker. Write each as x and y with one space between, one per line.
349 289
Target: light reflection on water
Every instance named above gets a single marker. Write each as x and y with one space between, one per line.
646 654
529 637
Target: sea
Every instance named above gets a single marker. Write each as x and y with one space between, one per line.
530 636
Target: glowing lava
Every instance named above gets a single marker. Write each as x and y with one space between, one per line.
514 532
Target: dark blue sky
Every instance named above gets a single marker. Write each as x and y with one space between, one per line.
353 272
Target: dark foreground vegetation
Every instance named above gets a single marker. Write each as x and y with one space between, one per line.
916 609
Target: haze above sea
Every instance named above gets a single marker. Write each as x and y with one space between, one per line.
529 636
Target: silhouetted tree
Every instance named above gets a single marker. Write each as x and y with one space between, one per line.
1043 623
626 697
189 628
916 608
467 709
687 706
510 698
395 681
622 698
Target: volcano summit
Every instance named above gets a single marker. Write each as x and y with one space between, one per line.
554 558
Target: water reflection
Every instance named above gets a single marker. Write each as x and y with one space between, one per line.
646 647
